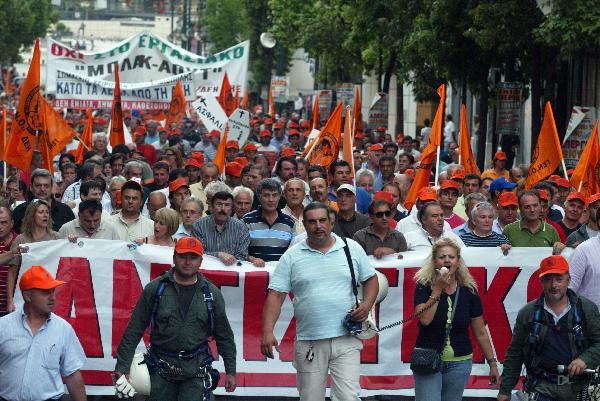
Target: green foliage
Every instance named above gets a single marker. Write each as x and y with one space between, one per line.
22 22
227 23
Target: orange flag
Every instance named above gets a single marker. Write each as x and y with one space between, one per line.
585 177
56 133
547 155
315 115
326 148
357 124
117 135
219 159
225 97
429 153
178 107
85 142
466 154
236 98
8 87
25 126
246 100
3 134
348 137
271 105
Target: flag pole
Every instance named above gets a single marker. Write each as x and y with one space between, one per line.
564 168
437 167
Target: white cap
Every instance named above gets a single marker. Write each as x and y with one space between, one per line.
347 187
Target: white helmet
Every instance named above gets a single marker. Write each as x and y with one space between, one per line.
139 377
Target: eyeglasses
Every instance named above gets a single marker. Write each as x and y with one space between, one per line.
387 213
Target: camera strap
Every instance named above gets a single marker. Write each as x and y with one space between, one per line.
351 266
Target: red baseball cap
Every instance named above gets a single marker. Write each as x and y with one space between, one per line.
250 147
500 155
232 144
380 129
293 132
459 174
39 278
241 160
386 196
199 156
215 132
563 182
293 124
268 121
427 194
287 152
555 264
189 245
375 147
576 196
450 184
234 169
305 124
278 125
359 135
594 198
191 162
508 198
544 195
178 183
265 132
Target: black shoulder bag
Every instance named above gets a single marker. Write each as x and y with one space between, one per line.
426 361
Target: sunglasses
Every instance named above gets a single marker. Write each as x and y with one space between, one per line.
387 213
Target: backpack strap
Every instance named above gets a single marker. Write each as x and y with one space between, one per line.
159 293
209 300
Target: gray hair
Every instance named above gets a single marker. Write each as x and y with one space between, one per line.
99 135
364 171
268 184
41 172
481 206
243 190
157 193
478 196
193 199
132 164
215 186
114 180
294 180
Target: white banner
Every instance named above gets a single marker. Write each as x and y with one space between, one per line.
239 126
104 279
210 112
144 59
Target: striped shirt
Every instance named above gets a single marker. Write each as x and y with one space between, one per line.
494 239
269 242
31 365
232 239
4 247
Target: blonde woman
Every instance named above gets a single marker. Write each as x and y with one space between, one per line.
166 223
35 227
443 273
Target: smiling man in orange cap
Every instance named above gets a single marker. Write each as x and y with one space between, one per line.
37 347
574 208
188 311
590 229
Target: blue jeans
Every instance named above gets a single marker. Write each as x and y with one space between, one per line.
446 385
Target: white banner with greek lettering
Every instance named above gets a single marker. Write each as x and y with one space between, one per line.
145 59
104 280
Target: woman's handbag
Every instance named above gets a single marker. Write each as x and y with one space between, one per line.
426 361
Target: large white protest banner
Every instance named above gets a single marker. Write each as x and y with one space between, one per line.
104 280
144 59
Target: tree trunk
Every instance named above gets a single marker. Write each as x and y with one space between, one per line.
536 94
483 113
389 70
399 109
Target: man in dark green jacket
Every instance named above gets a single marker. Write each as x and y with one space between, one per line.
179 331
560 328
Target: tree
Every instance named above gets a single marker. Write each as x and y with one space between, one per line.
227 23
22 22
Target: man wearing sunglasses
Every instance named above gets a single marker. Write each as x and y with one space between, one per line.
379 239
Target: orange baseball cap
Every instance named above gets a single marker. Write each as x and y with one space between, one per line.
376 147
241 160
305 124
293 132
268 121
508 198
544 195
39 278
192 163
500 155
189 245
265 132
450 184
563 182
554 177
386 196
555 264
594 198
178 183
427 194
234 169
459 174
215 132
198 156
250 147
293 125
278 125
288 152
232 144
577 196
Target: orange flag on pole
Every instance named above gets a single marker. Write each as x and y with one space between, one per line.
348 137
586 176
56 133
219 159
85 142
429 154
117 135
547 155
326 148
225 97
466 153
25 126
3 134
236 98
9 88
246 100
357 124
177 108
271 105
315 114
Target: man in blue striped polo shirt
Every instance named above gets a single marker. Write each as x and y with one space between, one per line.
271 231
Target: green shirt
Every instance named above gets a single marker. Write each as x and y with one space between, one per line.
176 331
520 235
